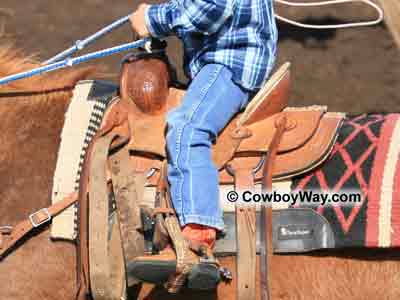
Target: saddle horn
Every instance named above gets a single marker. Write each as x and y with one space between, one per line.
145 81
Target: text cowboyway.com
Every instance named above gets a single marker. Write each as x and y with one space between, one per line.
295 198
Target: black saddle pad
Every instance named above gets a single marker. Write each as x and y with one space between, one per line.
364 161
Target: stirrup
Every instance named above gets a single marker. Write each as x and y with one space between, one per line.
206 274
187 264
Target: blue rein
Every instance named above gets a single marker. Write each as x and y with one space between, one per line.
79 45
63 59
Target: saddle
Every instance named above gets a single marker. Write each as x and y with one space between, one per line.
267 141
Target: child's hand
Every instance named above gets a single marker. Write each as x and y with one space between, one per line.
138 22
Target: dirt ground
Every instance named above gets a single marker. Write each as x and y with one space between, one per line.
352 70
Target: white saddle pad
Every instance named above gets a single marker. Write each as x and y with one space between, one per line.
82 120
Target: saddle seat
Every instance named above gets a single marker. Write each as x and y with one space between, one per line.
309 135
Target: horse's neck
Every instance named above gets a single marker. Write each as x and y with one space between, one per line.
30 130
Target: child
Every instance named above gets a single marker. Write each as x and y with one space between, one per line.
230 49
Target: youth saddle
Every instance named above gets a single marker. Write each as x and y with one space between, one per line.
268 141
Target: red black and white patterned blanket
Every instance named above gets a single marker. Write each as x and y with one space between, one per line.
365 158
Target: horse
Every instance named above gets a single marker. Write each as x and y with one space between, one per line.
32 113
31 118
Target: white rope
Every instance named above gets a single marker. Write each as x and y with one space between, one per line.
330 2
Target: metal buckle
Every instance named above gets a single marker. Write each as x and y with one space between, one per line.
32 217
151 172
226 274
6 229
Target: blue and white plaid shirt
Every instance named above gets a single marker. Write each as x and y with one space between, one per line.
240 34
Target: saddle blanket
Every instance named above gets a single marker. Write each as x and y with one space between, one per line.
365 160
82 120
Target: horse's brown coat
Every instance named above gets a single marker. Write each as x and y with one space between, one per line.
30 127
31 119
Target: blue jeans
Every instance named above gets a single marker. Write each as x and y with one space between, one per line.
211 100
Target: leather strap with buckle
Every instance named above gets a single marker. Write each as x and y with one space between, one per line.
40 217
9 236
266 212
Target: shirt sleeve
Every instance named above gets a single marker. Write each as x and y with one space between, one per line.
187 16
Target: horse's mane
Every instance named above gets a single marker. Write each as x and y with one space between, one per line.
13 60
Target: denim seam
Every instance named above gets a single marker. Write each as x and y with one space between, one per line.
203 93
200 123
204 220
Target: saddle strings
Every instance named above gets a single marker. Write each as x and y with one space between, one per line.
326 3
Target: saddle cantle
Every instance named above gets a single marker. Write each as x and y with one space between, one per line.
309 134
